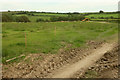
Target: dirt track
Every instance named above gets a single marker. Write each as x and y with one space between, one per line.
106 67
83 64
63 65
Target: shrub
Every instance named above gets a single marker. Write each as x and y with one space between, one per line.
112 17
40 20
7 18
68 18
106 17
101 17
92 18
22 19
47 20
22 12
30 14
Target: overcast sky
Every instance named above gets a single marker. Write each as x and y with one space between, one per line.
60 5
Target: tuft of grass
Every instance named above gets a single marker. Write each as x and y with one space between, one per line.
91 74
20 44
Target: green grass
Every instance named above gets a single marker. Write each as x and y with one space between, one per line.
91 74
34 18
102 15
106 20
41 36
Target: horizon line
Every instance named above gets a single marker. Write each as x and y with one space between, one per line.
56 11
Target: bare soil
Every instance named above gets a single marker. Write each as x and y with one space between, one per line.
106 67
66 64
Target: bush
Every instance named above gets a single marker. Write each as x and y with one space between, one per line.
68 18
47 20
40 20
112 17
22 12
106 17
7 18
22 19
31 14
92 17
101 17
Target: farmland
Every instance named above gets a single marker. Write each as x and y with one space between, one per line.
33 16
59 45
102 15
42 37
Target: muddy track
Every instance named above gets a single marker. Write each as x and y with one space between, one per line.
55 65
83 65
106 67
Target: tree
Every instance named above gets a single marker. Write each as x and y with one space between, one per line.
8 10
101 11
76 13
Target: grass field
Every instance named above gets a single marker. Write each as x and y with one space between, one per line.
41 36
115 15
47 16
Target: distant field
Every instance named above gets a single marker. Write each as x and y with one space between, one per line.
34 18
102 15
41 37
47 16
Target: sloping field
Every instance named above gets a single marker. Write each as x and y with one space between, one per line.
51 37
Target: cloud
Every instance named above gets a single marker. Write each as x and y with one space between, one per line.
59 5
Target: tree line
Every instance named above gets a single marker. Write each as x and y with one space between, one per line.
111 17
6 17
66 18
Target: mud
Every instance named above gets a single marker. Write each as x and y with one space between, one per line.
106 67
